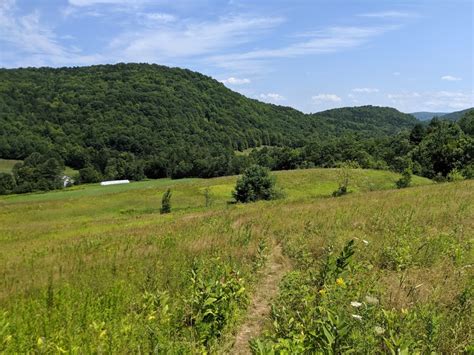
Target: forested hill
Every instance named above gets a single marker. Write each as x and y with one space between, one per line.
176 121
368 120
452 116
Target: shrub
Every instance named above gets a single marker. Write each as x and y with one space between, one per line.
88 175
405 180
455 175
166 202
255 184
468 171
209 199
344 177
7 183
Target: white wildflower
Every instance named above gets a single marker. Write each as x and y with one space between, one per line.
356 316
371 300
379 330
356 304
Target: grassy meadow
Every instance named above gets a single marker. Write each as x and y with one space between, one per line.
98 269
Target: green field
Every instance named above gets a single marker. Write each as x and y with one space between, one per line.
97 269
6 165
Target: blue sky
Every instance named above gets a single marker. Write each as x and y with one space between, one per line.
309 54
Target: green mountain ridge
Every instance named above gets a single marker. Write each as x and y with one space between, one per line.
147 109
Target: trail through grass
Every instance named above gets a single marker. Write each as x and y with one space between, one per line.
258 313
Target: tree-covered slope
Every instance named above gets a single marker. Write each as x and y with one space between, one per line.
130 121
149 109
367 120
454 116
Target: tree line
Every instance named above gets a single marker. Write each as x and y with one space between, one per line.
136 121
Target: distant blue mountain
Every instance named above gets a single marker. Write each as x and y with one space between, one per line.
452 116
426 116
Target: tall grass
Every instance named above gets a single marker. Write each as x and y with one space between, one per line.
100 270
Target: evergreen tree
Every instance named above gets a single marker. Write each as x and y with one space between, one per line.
255 184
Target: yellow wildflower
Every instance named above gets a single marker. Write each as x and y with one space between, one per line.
340 282
151 317
322 292
40 341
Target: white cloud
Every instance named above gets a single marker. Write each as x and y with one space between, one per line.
450 78
26 37
82 3
365 90
160 17
272 97
236 81
325 98
389 14
329 40
432 101
403 95
397 73
188 39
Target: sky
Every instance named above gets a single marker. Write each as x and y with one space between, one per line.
414 55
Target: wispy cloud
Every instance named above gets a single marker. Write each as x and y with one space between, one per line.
389 14
437 100
160 17
272 97
235 81
319 98
28 38
189 39
328 40
81 3
365 90
450 78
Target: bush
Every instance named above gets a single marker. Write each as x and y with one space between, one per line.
455 175
344 177
468 171
89 175
341 190
7 183
166 202
208 197
38 172
255 184
405 180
